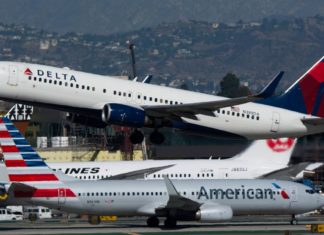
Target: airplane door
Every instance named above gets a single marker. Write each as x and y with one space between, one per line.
13 75
293 193
223 173
275 122
293 196
61 196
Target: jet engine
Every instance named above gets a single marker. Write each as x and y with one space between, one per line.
214 213
84 120
123 115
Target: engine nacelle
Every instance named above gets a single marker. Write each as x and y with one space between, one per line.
123 115
87 121
214 213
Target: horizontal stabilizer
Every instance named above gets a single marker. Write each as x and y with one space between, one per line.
313 121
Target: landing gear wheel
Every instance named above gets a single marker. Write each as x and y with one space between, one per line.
157 137
170 222
94 219
136 137
293 220
152 222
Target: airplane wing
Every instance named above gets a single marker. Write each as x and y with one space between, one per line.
139 174
207 108
176 201
313 121
291 172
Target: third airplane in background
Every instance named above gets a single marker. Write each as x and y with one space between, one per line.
262 159
100 100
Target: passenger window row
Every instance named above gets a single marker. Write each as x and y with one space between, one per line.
238 114
62 83
183 175
122 194
144 97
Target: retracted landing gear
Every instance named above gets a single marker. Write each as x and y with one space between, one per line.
293 220
157 137
136 137
170 222
152 221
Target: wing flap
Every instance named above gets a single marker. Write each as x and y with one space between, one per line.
291 172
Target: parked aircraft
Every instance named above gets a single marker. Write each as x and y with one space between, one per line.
100 100
262 159
31 181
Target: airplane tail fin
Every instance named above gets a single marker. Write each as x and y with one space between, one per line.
306 94
22 162
269 152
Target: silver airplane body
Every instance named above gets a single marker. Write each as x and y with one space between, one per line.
31 181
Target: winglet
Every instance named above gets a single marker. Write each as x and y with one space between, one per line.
170 187
147 79
269 90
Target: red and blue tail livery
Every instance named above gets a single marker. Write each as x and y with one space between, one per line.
22 162
306 94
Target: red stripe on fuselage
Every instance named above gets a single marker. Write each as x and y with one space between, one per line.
32 177
39 193
15 163
10 149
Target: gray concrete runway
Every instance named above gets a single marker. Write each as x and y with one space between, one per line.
240 225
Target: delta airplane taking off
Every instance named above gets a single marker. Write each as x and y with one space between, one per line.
31 181
262 159
100 100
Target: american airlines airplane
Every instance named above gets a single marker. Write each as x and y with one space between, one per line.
31 181
101 100
262 159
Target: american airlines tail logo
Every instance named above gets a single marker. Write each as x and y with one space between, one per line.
280 145
28 72
282 191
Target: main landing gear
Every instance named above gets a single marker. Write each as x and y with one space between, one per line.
293 220
170 222
137 137
94 219
152 222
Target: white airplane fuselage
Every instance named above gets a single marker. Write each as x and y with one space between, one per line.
174 169
137 197
86 93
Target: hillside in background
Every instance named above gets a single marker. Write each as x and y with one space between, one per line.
193 52
108 17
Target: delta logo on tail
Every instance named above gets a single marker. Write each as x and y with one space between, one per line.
282 191
280 145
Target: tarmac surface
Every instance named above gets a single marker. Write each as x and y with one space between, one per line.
240 225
